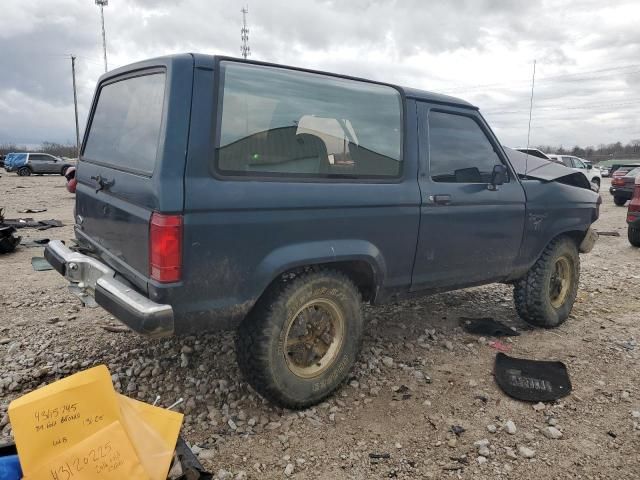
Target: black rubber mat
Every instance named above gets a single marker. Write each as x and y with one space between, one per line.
532 380
488 327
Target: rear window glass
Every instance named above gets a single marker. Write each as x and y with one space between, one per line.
279 122
126 123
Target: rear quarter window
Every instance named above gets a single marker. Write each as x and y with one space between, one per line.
125 126
283 123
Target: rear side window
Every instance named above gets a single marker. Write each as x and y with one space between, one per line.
285 123
41 158
459 150
126 123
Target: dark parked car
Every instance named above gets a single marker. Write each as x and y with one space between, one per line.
622 168
633 216
214 192
622 185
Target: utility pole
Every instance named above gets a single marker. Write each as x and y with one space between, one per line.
102 4
75 103
244 34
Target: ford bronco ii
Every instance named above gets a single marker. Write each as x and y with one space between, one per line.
214 192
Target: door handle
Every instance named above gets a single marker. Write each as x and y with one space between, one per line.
442 199
102 183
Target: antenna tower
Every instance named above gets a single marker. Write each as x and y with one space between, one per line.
244 34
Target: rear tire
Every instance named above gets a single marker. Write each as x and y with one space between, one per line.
24 171
299 342
634 236
545 296
64 169
619 201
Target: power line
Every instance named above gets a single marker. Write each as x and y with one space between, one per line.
592 106
584 74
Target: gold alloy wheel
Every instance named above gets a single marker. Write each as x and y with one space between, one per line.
560 283
314 338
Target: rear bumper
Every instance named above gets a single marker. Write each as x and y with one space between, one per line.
95 280
621 192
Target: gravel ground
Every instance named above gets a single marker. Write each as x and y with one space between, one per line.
418 375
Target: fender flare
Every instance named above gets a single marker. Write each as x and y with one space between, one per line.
304 254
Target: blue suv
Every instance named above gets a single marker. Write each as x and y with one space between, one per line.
218 193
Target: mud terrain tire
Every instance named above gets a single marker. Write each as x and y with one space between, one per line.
276 345
545 296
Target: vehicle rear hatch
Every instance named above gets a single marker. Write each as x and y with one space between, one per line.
132 160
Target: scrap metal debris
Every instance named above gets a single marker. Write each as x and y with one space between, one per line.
609 234
33 210
37 242
116 329
532 380
379 455
185 464
31 223
40 264
8 240
487 326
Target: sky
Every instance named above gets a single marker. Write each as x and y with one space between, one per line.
587 54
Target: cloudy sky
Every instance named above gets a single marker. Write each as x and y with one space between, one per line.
587 52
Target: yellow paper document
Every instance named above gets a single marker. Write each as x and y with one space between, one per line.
80 428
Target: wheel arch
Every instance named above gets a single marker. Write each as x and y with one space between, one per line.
359 260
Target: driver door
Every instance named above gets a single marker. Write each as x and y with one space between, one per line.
469 232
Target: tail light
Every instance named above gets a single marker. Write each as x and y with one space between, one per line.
165 247
618 181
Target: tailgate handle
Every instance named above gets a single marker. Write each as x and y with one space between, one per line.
102 183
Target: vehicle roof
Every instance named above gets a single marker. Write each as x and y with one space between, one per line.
30 153
208 61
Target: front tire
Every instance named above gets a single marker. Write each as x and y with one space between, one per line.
619 201
545 296
596 182
24 171
634 236
299 342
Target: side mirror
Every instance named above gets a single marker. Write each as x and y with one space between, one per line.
498 176
589 167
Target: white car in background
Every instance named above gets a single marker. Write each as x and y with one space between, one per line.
593 174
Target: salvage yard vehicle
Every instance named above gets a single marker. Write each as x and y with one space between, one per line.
592 173
27 163
535 152
622 185
633 215
214 192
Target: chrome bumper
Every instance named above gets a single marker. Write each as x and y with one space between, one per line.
95 284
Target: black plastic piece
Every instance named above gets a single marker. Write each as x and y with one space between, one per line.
532 380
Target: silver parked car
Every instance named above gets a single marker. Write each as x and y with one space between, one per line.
42 163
